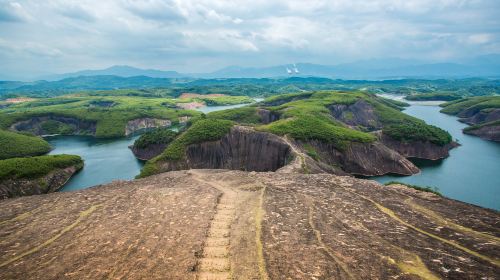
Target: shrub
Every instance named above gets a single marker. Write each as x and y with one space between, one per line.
157 136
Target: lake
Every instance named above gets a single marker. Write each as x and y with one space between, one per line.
470 174
106 159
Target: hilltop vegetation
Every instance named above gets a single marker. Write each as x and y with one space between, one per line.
201 131
482 113
109 114
163 87
309 117
35 167
438 96
157 136
18 145
472 104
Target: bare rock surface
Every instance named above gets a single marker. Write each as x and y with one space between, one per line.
220 224
489 132
51 182
145 123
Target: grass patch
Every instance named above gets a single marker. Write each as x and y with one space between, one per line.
433 190
19 145
243 115
312 128
36 167
474 104
310 151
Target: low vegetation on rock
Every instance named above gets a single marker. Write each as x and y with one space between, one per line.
35 167
482 113
19 145
201 131
110 121
156 136
433 190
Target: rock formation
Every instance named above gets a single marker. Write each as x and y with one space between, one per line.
51 182
35 125
145 123
487 132
219 224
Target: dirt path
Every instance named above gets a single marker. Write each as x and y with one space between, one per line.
214 263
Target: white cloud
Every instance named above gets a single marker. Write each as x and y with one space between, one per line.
175 34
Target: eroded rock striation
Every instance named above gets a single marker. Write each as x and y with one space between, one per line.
241 149
487 132
69 125
215 224
145 123
48 183
418 149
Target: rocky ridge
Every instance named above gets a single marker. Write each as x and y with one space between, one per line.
220 224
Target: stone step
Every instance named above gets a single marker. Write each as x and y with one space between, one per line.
212 241
214 275
215 252
214 264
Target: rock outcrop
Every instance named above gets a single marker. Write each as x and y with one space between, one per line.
418 149
148 152
144 124
487 132
367 159
246 149
361 114
214 224
268 116
51 182
477 117
75 126
241 149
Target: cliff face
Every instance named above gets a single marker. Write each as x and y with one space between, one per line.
489 132
268 116
478 117
368 159
241 149
246 149
214 224
359 114
49 183
149 152
36 125
145 123
418 149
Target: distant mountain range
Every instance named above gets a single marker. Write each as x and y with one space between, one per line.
118 70
483 66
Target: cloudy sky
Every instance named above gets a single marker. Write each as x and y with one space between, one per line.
55 36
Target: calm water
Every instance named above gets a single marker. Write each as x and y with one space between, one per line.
470 174
105 160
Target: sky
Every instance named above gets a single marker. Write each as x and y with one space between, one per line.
54 36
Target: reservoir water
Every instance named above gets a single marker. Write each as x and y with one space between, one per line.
471 173
105 160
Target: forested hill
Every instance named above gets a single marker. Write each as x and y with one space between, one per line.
242 86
